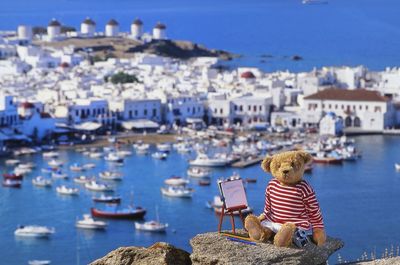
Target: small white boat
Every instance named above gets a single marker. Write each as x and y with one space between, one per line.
40 181
197 172
89 166
12 162
28 165
59 175
76 167
34 231
96 186
95 154
151 226
55 163
39 262
203 160
141 148
176 181
177 191
164 147
159 155
397 166
113 157
82 179
64 190
123 153
22 171
50 154
109 175
89 223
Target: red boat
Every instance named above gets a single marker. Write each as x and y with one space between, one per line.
327 160
107 199
204 182
12 183
250 180
12 176
129 213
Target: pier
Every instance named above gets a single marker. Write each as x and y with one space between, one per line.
247 163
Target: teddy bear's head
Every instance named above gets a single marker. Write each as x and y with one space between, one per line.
287 167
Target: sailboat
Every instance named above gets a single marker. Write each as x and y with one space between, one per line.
152 226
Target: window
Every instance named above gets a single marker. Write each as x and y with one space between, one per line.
241 108
136 113
323 106
336 106
145 112
360 107
154 112
366 107
130 114
235 107
221 111
193 110
330 106
215 110
249 108
354 107
254 108
377 109
260 108
342 106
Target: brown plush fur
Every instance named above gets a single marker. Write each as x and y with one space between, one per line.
288 169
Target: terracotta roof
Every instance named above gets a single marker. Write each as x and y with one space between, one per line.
112 22
88 21
160 26
54 23
137 22
347 95
247 74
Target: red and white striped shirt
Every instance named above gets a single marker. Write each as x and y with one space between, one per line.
296 204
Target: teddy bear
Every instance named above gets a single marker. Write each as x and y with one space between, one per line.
290 203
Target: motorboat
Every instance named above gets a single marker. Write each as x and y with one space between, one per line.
64 190
107 199
324 158
151 226
54 163
12 183
176 181
59 175
109 175
159 155
51 154
123 153
12 176
177 191
141 148
397 166
115 213
34 231
205 181
12 162
197 172
40 181
164 147
203 160
95 154
82 179
21 171
89 223
96 186
89 166
27 166
113 157
76 167
39 262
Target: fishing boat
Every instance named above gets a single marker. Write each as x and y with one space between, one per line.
39 262
12 183
97 186
115 213
89 223
82 179
40 181
21 171
107 199
177 191
113 157
203 160
176 181
29 165
197 172
64 190
109 175
141 148
12 176
159 155
34 231
76 167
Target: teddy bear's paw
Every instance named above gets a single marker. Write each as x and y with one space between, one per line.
253 227
284 236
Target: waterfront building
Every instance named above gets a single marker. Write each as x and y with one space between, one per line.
53 30
159 31
177 109
286 119
361 110
137 29
35 123
112 28
220 111
88 27
24 33
252 109
331 125
134 109
8 111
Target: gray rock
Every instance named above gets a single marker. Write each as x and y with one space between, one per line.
158 254
215 249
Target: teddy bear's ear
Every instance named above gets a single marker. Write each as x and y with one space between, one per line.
305 156
265 164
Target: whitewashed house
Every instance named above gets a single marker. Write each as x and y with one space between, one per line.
253 109
8 111
177 109
220 112
361 110
287 119
331 125
35 123
134 109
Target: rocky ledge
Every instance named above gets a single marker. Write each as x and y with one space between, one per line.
215 249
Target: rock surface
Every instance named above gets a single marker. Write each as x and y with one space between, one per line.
214 249
158 254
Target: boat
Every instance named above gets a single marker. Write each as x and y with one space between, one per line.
12 176
115 213
151 226
59 175
12 162
109 175
89 166
82 179
197 172
250 180
176 181
64 190
107 199
205 181
95 154
324 158
34 231
54 163
27 166
177 191
39 262
123 153
12 183
314 2
89 223
21 171
96 186
159 155
397 166
203 160
50 154
40 181
76 167
113 157
141 148
164 147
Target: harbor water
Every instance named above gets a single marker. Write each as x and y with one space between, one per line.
359 202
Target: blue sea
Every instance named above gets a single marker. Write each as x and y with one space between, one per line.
342 32
359 201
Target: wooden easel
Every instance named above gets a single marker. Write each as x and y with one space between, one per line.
230 211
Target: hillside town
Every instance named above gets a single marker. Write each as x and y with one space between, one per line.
51 92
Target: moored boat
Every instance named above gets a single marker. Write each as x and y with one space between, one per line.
177 191
159 155
113 157
107 199
203 160
40 181
64 190
109 175
197 172
76 167
39 262
12 176
82 179
12 183
151 226
89 223
34 231
176 181
127 213
97 186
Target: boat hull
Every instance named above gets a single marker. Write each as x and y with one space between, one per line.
137 214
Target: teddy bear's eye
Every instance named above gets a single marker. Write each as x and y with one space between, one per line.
292 164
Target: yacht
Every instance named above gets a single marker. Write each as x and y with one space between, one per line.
197 172
50 154
82 179
55 163
76 167
89 223
160 155
176 181
109 175
177 191
113 157
34 231
151 226
40 181
64 190
203 160
96 186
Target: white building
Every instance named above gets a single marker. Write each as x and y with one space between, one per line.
250 110
8 111
220 112
361 110
159 31
88 27
287 119
53 30
331 124
134 109
34 121
24 33
177 109
137 29
112 28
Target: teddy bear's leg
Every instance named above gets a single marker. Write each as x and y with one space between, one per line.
319 236
284 236
256 230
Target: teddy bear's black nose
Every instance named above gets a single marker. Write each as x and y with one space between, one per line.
285 171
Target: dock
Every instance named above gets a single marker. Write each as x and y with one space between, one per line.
247 163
